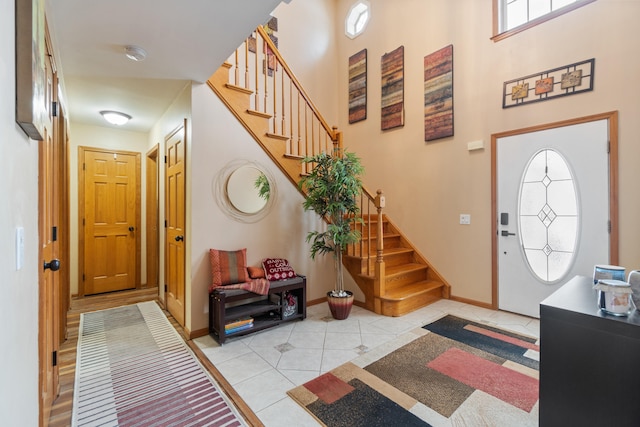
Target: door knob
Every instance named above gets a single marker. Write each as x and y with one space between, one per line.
506 233
179 238
131 228
54 265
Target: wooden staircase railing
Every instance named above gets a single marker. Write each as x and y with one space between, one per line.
259 88
278 95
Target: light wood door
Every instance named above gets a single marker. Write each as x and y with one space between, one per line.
48 205
175 223
64 237
111 220
152 217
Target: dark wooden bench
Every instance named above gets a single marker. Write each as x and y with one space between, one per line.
229 305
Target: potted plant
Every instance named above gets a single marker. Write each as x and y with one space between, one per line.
331 190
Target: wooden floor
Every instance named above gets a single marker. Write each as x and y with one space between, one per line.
62 406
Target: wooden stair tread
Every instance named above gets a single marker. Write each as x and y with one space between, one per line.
238 88
259 114
411 290
400 250
385 252
277 136
384 236
404 268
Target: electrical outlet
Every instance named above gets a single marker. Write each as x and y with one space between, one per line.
465 219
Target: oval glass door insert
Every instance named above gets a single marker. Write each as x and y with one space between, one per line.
548 216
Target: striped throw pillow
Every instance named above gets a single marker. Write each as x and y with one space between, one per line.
228 267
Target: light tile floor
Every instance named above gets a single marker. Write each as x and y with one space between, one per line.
263 366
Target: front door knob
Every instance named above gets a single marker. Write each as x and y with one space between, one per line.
131 228
54 265
179 238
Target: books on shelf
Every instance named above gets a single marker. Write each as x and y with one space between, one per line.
238 328
235 325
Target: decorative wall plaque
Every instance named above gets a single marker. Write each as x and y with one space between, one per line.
561 81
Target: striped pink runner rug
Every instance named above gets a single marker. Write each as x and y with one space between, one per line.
134 369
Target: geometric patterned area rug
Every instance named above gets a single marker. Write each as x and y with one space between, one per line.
452 372
134 369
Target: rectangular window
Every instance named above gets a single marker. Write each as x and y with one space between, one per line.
513 16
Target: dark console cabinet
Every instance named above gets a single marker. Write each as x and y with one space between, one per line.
589 361
228 305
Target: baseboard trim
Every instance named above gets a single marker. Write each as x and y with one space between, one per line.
198 333
316 301
473 302
322 300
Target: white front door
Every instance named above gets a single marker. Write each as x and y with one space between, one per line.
552 211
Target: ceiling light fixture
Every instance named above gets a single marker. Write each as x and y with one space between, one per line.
135 53
115 117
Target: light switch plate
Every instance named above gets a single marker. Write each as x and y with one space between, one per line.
19 247
465 219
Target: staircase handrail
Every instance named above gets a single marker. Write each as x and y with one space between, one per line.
331 131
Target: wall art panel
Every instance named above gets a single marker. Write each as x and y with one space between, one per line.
393 89
358 86
438 94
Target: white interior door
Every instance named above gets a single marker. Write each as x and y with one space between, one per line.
552 211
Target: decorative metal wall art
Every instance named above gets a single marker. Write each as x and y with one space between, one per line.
358 86
562 81
438 94
31 108
393 89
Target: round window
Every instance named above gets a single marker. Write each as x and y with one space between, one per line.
548 216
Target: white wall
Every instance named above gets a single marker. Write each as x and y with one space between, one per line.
219 140
19 208
109 138
307 39
172 119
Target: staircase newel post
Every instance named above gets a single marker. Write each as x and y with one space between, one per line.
337 142
379 278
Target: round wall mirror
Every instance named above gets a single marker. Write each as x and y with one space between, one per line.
245 191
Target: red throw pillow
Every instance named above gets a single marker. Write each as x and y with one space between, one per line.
277 269
228 267
256 272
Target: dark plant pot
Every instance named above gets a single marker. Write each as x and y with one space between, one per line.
340 306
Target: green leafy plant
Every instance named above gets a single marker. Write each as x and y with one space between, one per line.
331 189
263 187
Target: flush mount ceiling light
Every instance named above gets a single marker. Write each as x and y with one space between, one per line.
135 53
115 117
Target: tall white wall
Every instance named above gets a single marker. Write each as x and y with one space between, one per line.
429 184
19 208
